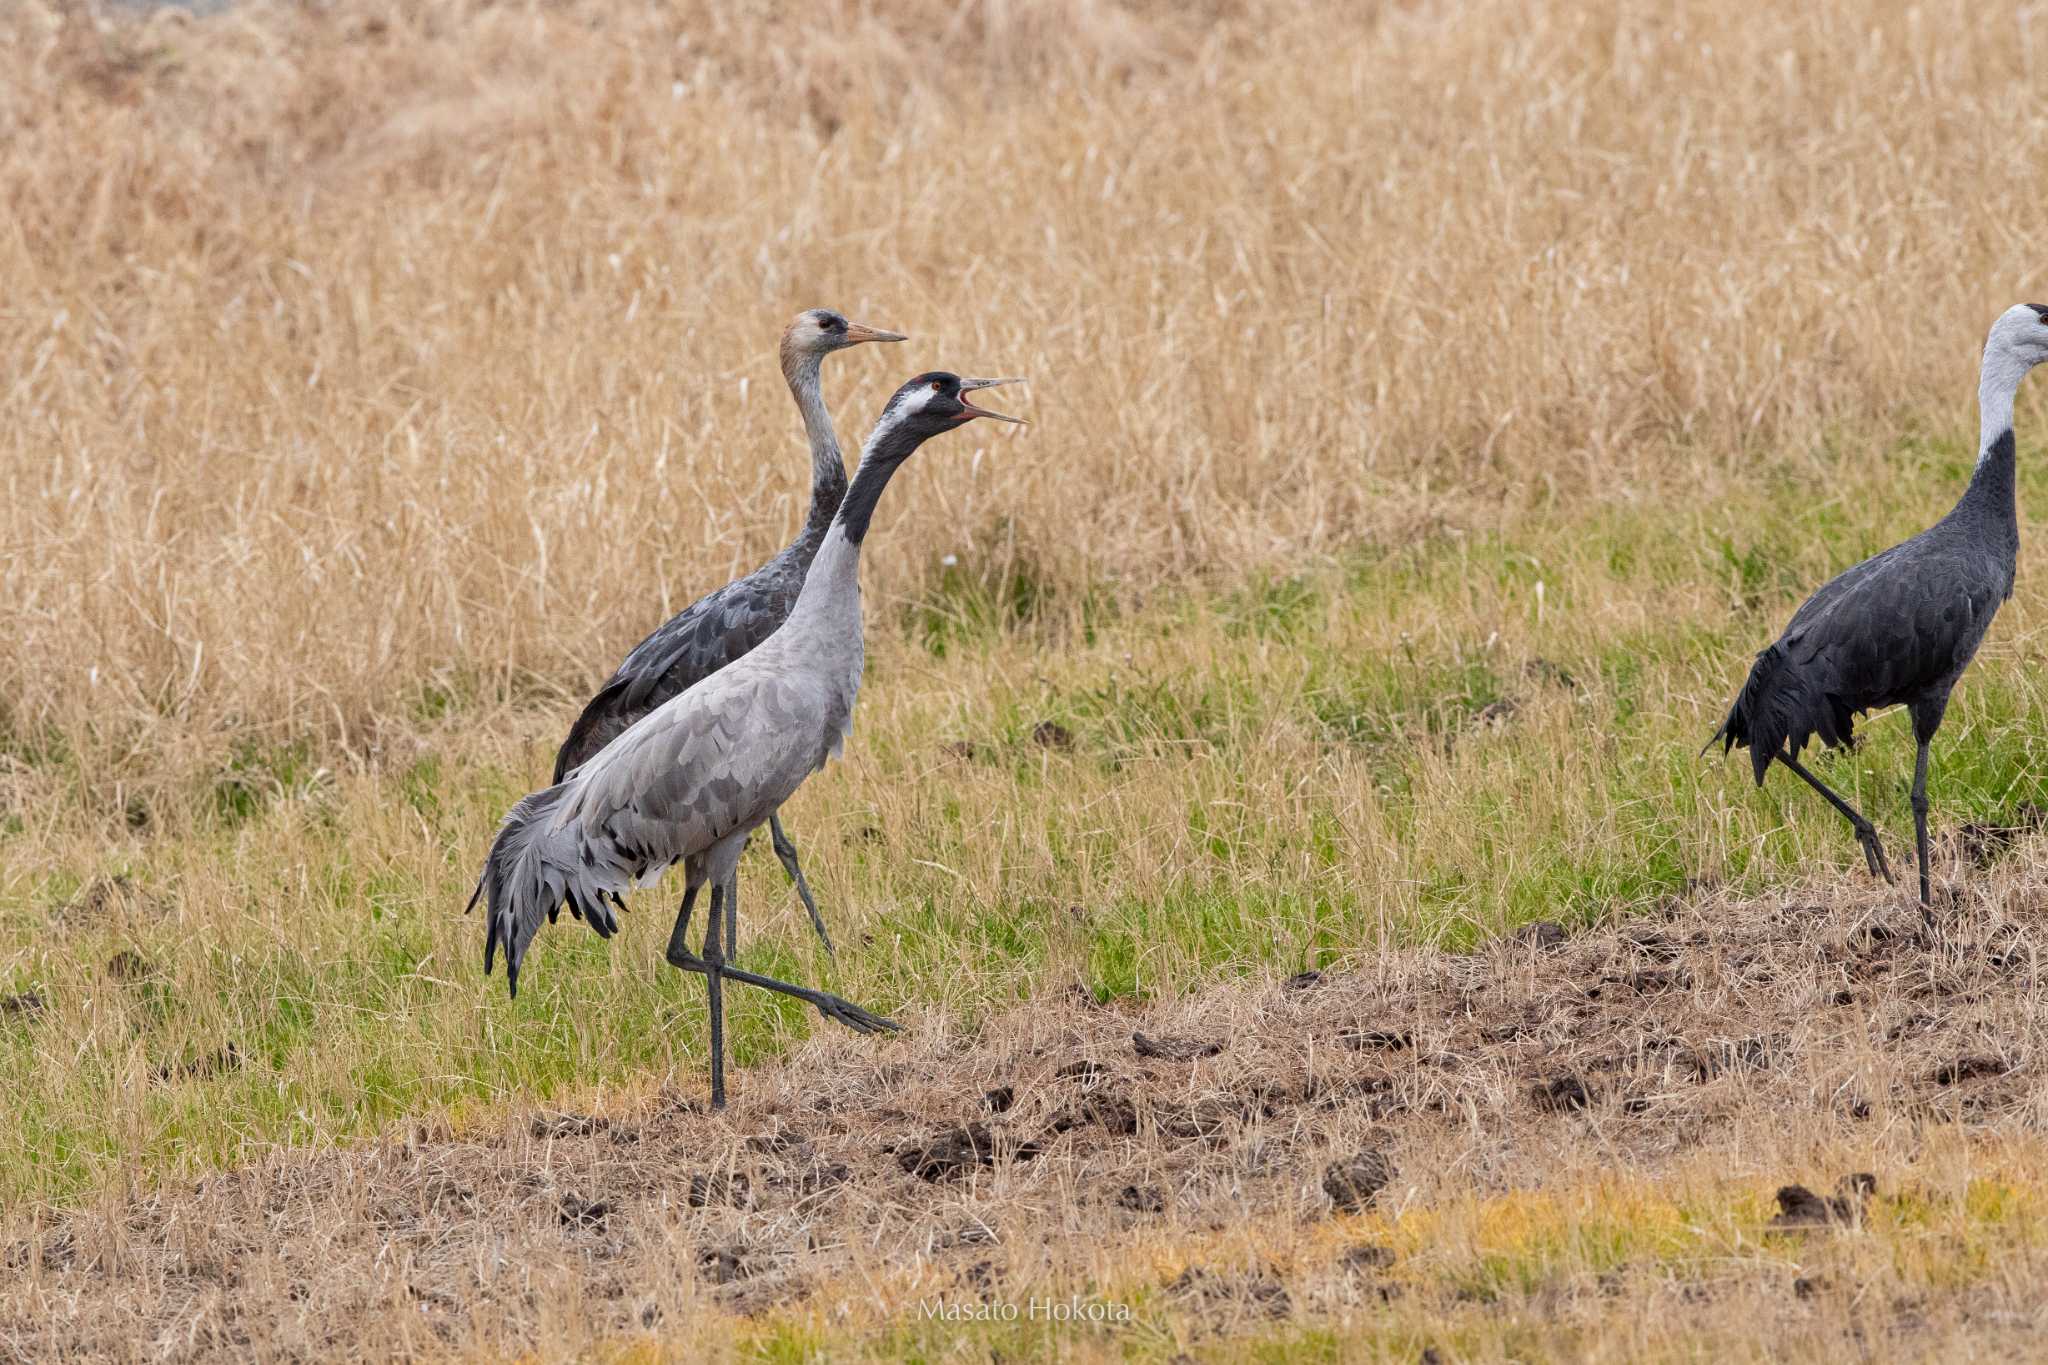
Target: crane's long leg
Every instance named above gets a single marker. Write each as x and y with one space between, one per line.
786 851
836 1008
676 942
1866 833
1920 820
714 983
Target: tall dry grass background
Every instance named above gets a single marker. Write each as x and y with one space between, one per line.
358 352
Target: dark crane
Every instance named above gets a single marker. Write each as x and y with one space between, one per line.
1900 628
721 626
692 779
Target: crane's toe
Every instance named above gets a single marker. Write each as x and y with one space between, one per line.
853 1016
1873 853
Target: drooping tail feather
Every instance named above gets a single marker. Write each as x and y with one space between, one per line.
534 869
1781 706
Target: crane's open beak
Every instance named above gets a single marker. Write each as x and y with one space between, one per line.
969 385
856 332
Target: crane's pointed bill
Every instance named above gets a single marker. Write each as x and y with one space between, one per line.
968 386
857 331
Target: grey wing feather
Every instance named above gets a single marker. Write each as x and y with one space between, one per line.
716 760
689 647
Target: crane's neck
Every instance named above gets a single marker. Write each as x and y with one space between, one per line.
1992 494
1996 388
828 468
833 584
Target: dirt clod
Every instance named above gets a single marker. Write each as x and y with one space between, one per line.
1174 1049
566 1125
1984 843
999 1100
823 1176
1799 1207
950 1154
1352 1183
722 1265
1050 734
1114 1114
1969 1069
1302 981
1142 1199
1260 1293
1561 1094
216 1063
1542 933
105 898
1378 1040
574 1211
720 1189
1366 1256
128 965
27 1005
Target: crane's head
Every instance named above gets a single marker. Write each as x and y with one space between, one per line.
937 401
2020 334
820 331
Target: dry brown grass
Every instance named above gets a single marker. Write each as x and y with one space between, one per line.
1579 1141
352 350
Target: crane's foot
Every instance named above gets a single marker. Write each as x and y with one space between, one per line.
842 1011
836 1008
1873 853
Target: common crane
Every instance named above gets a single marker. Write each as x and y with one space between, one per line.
689 781
721 626
1900 628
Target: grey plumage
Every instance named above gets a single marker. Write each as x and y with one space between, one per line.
689 647
682 782
727 624
690 780
721 626
1899 628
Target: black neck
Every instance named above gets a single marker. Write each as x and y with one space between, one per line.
877 463
1993 488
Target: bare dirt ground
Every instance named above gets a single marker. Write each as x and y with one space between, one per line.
1566 1145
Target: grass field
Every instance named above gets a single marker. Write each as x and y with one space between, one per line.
1434 407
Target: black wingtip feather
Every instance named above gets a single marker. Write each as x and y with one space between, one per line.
534 871
1779 709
